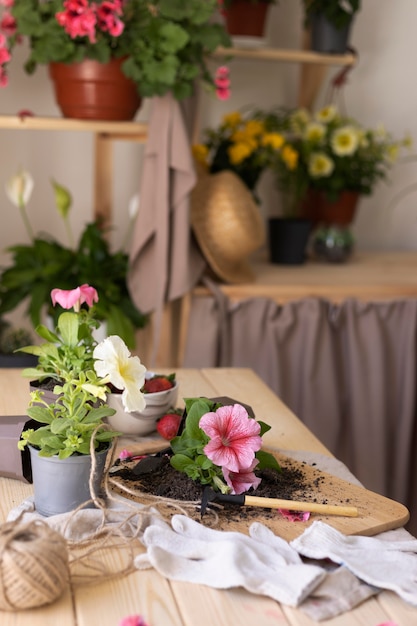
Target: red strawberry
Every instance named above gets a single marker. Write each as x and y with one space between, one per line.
158 383
167 426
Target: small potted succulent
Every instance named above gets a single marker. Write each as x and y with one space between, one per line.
71 426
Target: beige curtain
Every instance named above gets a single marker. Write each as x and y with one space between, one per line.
347 371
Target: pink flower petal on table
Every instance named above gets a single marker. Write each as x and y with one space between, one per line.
133 620
295 516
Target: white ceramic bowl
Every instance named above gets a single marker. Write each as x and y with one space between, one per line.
157 404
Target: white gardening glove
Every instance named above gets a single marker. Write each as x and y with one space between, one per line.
380 562
340 590
223 560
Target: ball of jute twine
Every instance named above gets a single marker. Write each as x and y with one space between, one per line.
34 565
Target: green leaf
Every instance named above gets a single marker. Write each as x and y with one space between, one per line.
267 460
40 414
68 327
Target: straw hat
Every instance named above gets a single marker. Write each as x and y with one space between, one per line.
227 224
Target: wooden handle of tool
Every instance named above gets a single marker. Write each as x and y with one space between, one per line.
294 505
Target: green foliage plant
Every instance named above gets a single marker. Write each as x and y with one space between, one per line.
44 264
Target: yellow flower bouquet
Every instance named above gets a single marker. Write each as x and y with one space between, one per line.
243 143
331 153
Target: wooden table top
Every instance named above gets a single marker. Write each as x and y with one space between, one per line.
165 603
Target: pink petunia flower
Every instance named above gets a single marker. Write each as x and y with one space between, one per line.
74 298
234 437
133 620
242 481
7 3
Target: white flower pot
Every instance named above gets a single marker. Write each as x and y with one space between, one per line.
143 423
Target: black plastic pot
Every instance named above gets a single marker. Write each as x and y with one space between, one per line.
325 37
19 360
288 239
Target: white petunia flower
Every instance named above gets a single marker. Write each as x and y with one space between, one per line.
114 362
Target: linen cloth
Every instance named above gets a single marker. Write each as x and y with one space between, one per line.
164 260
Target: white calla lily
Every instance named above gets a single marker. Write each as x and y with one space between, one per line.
19 189
114 362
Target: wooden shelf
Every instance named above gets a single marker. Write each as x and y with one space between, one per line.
134 131
287 56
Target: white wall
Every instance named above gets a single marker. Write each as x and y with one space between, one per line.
381 89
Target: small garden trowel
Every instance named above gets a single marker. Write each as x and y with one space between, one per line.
209 495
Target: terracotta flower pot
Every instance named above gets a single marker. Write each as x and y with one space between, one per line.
342 211
318 208
246 18
94 91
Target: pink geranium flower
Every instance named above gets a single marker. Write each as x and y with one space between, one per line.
4 79
74 298
222 83
107 19
234 437
8 24
242 481
78 19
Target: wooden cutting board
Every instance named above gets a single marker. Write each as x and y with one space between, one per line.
375 513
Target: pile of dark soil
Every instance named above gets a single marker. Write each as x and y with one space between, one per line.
166 482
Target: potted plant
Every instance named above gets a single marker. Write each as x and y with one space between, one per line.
330 23
243 143
159 45
45 263
328 161
72 426
246 18
327 158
